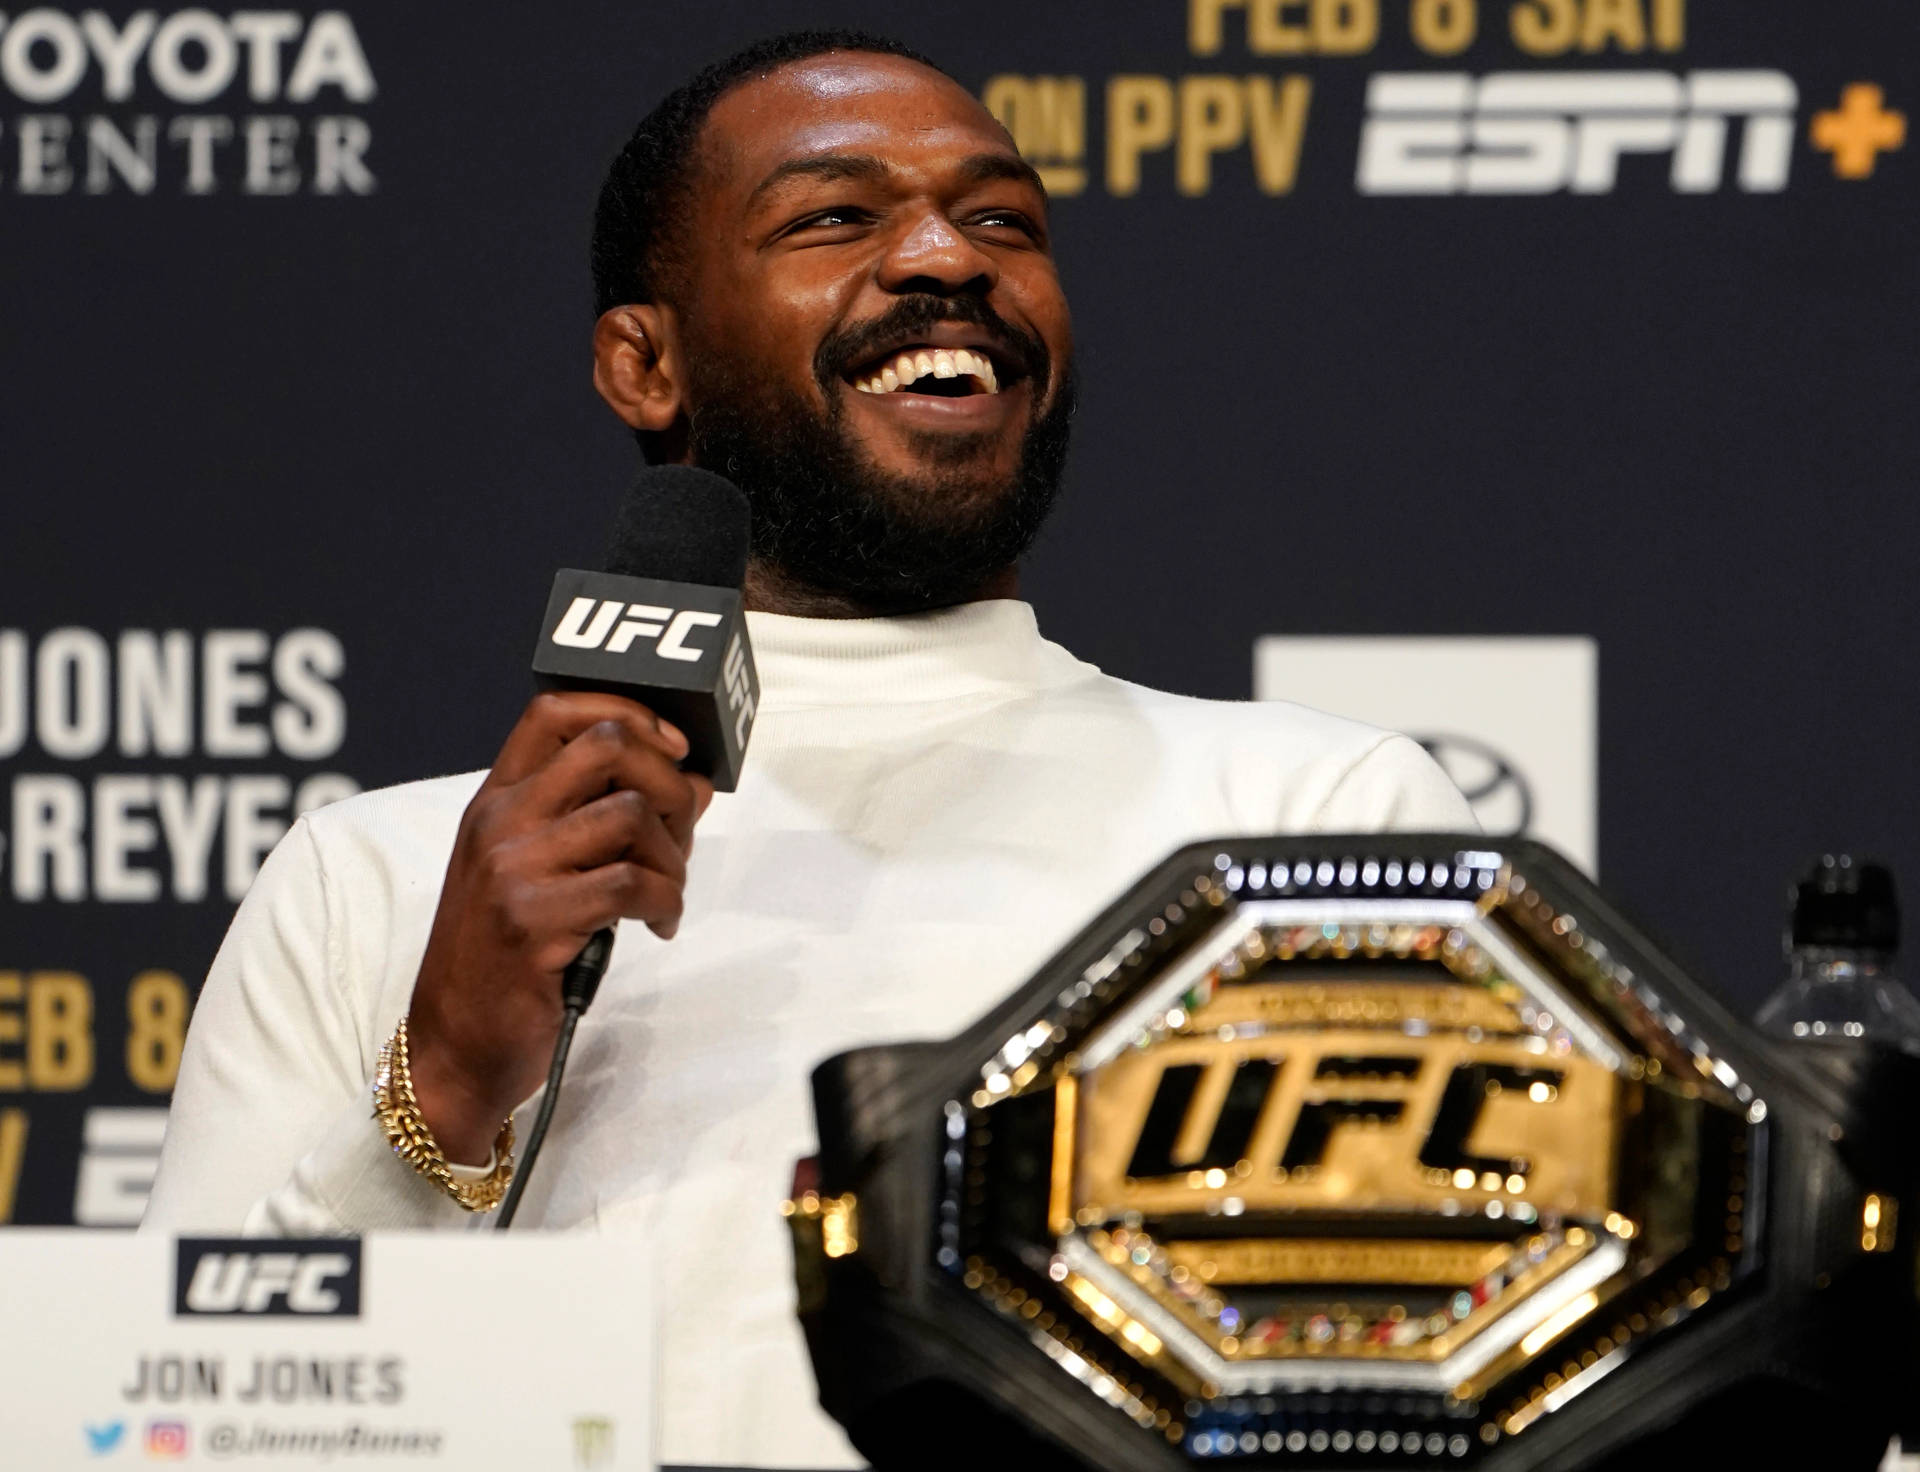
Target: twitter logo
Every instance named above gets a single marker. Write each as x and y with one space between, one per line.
103 1439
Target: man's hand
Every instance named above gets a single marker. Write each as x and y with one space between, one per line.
584 819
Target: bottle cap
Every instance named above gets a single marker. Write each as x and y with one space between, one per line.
1846 904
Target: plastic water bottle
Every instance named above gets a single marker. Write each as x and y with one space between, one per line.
1841 944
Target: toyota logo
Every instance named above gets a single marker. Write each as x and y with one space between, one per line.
1501 797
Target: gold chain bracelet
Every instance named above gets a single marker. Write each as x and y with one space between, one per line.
398 1112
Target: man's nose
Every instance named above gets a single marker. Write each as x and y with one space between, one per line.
932 254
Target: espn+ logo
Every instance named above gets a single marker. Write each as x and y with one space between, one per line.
244 1276
1541 132
585 626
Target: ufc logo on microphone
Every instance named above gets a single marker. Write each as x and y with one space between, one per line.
739 689
598 623
245 1276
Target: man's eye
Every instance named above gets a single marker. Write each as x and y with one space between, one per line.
841 215
1006 220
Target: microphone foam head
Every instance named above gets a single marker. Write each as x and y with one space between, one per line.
682 525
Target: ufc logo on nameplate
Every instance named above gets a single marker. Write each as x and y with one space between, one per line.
239 1276
591 623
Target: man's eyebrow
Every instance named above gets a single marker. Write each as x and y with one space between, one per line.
983 168
820 166
979 168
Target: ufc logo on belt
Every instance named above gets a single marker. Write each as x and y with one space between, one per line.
1345 1121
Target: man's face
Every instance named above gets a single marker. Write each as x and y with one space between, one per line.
876 344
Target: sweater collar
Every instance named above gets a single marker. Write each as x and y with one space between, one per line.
975 649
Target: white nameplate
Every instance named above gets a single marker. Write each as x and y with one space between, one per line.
405 1350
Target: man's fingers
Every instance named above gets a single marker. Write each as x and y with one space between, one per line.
681 820
609 756
583 903
622 826
554 718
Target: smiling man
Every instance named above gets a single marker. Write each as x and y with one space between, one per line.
824 272
847 303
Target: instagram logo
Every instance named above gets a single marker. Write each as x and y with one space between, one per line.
167 1440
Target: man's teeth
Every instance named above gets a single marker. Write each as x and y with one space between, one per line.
916 363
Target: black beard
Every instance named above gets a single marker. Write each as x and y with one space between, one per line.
826 517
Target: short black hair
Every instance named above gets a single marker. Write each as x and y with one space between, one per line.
646 187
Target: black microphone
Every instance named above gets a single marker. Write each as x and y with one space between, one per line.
663 625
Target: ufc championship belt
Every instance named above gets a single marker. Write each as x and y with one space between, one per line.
1363 1151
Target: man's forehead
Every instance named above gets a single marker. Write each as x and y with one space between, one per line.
886 107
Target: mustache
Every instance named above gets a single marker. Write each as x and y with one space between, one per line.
914 316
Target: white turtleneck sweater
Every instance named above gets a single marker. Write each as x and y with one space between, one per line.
931 806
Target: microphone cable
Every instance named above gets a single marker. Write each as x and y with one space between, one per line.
682 538
577 986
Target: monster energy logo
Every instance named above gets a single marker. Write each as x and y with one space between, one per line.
592 1441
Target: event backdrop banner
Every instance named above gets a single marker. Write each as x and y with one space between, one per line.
1592 319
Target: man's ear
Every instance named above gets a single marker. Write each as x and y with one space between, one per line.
636 366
